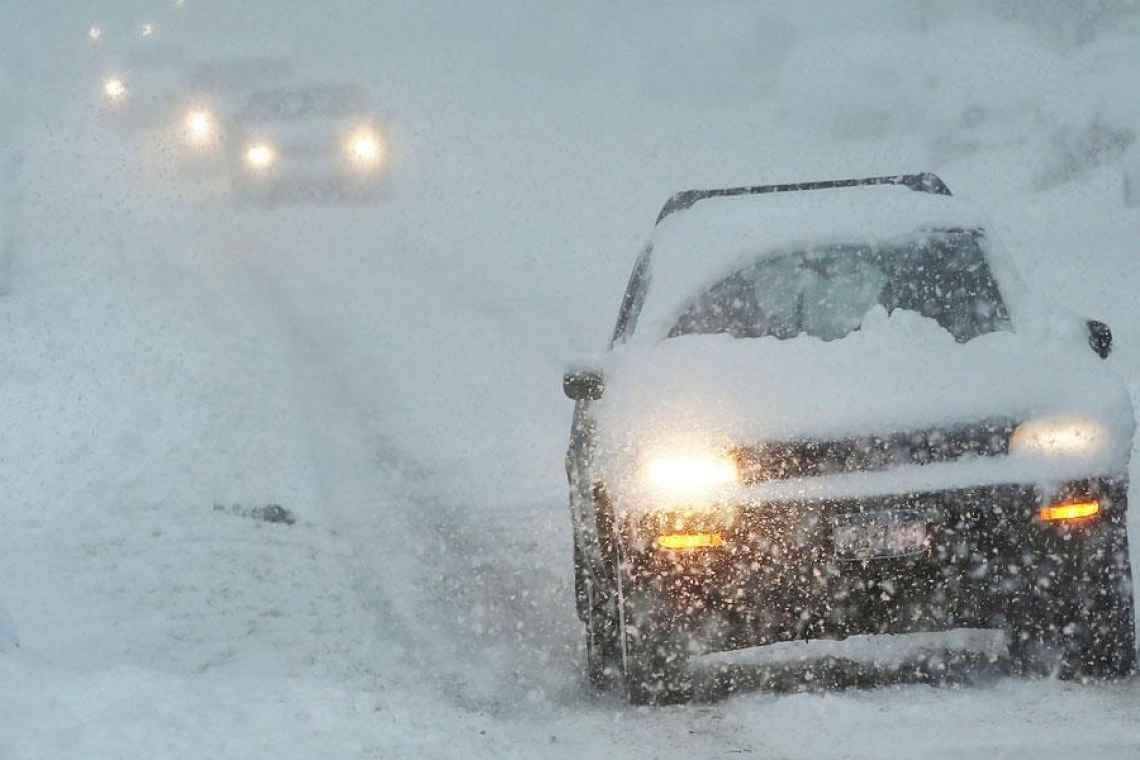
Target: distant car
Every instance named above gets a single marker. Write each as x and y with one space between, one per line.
211 95
832 409
314 142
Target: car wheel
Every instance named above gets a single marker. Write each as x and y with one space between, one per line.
1106 639
654 650
1086 629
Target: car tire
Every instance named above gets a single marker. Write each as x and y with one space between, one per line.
653 648
1087 629
1106 639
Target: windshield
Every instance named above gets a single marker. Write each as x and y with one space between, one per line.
330 101
824 292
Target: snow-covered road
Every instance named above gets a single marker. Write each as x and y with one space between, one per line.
389 373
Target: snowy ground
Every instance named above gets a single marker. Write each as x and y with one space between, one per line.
390 374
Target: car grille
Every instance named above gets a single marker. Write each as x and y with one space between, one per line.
786 460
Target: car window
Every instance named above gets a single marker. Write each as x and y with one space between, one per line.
824 292
329 101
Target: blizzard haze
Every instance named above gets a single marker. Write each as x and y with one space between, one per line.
389 371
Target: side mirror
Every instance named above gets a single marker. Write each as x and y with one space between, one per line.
1100 338
583 384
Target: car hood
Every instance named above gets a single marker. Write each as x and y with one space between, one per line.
898 373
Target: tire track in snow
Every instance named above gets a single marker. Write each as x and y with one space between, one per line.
402 554
352 479
475 594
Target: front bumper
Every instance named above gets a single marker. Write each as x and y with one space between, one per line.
988 558
301 181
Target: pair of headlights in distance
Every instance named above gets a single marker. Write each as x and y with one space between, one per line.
364 149
95 32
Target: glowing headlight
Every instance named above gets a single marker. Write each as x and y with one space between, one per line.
365 148
114 88
199 126
94 33
691 473
1059 437
260 156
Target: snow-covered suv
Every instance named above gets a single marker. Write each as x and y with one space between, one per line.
832 409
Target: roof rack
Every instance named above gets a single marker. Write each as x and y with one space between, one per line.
926 182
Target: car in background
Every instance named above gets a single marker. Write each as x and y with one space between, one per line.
211 94
832 409
316 142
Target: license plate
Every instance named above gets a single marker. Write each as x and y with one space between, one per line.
875 535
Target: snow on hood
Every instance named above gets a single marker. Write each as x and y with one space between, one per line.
897 373
694 248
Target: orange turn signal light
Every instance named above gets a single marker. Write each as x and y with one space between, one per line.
681 541
1076 511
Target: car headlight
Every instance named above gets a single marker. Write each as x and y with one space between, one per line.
199 127
1072 436
691 472
115 89
364 148
260 156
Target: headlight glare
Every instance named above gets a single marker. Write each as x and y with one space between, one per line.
199 126
364 148
1072 436
114 88
260 156
691 472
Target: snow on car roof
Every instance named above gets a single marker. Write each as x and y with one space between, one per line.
240 71
695 248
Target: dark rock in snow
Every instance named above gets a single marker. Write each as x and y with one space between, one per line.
270 513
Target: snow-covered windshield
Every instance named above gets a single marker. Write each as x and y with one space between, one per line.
824 292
